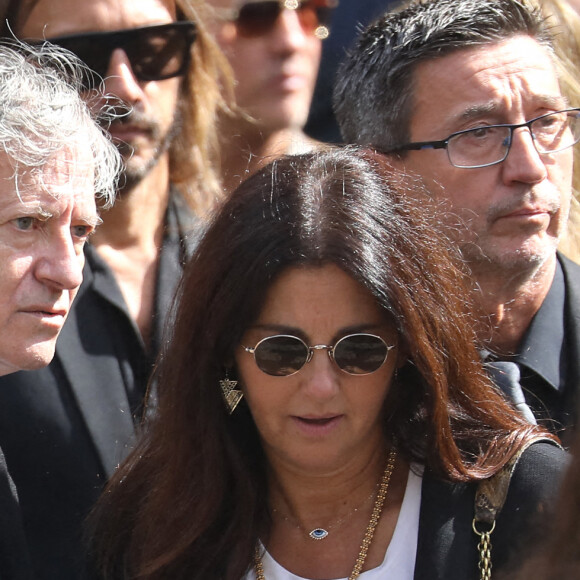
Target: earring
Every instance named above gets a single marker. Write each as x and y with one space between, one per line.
232 396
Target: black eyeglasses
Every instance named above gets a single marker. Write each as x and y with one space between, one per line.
489 145
156 53
284 355
259 16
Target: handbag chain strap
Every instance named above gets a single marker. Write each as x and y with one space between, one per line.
489 499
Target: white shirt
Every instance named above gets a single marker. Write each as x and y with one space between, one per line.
399 562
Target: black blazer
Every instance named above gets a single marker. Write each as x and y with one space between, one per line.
14 558
571 397
447 545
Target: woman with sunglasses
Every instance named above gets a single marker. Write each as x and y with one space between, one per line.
322 411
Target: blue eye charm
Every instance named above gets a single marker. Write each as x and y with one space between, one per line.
318 534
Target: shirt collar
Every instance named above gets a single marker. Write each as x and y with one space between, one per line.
543 345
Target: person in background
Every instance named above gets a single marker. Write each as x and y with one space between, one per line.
466 95
348 19
323 411
274 50
65 429
57 170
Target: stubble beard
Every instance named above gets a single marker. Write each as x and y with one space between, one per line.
487 256
493 255
136 169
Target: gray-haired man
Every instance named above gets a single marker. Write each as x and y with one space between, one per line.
56 167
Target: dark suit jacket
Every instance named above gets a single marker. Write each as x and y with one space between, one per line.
447 545
14 558
65 428
571 395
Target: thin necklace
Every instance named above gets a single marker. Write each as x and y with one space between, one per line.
319 533
369 532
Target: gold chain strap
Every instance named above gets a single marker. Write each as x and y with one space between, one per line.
484 548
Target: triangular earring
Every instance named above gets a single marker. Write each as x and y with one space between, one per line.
232 396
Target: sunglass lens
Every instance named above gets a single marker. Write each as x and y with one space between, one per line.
157 54
257 18
96 58
360 354
308 15
281 356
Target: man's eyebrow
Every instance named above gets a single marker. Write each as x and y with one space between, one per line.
90 220
40 213
479 110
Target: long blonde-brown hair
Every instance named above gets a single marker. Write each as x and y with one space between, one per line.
207 90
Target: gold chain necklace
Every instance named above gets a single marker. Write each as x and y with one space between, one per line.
369 532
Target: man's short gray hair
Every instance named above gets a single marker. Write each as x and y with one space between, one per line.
373 96
42 113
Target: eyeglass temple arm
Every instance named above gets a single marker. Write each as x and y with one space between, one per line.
421 145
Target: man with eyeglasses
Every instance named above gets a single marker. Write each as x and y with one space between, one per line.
274 48
466 95
79 415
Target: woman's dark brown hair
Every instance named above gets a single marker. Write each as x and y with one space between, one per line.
191 501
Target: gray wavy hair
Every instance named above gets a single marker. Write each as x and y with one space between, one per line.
42 114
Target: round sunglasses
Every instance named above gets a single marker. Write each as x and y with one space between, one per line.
283 355
258 17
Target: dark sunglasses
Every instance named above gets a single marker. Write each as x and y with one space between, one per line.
259 17
284 355
155 52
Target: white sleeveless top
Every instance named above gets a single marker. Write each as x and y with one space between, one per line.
399 562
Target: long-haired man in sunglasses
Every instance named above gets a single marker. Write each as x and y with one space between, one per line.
77 419
274 48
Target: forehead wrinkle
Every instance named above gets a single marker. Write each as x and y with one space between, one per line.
476 111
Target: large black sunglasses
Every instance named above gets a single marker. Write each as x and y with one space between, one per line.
258 17
283 355
155 52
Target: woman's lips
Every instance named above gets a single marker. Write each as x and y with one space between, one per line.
317 426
